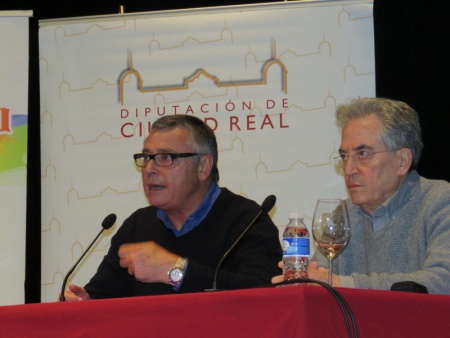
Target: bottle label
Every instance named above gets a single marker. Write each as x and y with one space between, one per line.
295 246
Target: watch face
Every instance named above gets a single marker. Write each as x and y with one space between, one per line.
176 275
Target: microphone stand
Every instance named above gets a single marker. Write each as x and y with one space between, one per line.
266 206
107 223
62 298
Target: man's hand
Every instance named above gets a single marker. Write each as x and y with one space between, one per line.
314 272
75 293
321 274
147 261
278 278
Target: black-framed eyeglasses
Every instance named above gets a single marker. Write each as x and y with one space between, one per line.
361 156
161 159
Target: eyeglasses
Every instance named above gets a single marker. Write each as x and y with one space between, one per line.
161 159
362 156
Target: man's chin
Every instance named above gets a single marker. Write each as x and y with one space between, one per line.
356 199
153 199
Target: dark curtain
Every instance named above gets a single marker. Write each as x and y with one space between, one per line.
411 38
412 66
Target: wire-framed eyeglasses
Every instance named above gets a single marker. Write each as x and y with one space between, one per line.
361 156
161 159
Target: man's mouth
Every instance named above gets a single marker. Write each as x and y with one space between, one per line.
352 186
155 187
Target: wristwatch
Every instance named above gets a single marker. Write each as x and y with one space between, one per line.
176 273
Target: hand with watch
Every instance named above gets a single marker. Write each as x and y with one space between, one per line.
148 262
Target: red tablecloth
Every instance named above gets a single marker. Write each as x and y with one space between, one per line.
292 311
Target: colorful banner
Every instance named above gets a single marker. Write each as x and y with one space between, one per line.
267 78
13 153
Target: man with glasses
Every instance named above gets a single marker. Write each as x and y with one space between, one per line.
400 221
175 244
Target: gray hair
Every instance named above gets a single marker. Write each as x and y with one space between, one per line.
400 122
202 136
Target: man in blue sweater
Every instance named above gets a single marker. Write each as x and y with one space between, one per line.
400 221
176 244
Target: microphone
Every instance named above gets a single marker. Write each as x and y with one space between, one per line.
266 206
107 223
409 286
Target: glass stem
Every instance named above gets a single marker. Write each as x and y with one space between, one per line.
330 265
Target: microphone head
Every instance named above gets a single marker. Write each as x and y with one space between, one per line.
109 221
268 203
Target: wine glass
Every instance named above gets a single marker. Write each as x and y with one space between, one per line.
331 229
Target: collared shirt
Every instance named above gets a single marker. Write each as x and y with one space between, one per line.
386 212
197 216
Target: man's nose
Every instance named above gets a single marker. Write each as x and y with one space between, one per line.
350 165
149 166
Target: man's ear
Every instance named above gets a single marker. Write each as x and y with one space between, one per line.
405 160
205 166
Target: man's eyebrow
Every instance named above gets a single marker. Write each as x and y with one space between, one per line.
158 151
360 147
363 146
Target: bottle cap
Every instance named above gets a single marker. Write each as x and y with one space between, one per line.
294 215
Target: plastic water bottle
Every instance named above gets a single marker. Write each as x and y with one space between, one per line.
295 248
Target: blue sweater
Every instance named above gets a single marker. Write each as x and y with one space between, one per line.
414 246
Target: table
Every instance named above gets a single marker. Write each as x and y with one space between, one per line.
289 311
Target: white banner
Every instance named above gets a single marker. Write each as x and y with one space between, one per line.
266 77
13 153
